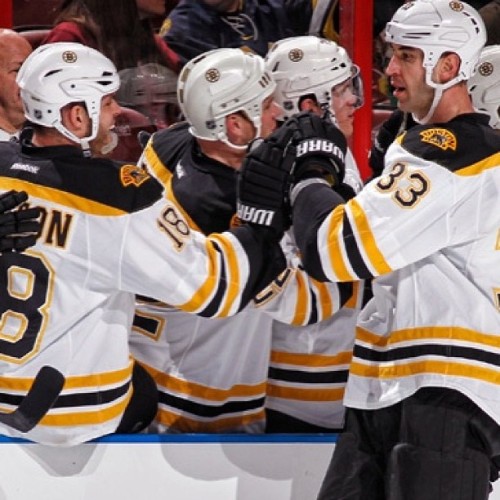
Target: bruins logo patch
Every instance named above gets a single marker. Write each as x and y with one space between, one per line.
132 175
457 6
296 55
440 137
69 56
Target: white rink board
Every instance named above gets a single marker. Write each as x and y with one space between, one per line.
180 467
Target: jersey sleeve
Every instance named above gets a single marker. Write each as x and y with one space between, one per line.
415 209
297 299
215 276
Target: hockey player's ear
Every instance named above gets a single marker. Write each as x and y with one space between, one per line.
75 118
447 67
238 128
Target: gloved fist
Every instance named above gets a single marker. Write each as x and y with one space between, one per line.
397 123
264 181
321 149
18 228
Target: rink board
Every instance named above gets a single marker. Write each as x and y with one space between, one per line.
178 467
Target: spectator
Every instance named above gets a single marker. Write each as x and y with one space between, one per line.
422 398
119 29
491 17
309 364
108 233
484 86
194 27
14 49
122 30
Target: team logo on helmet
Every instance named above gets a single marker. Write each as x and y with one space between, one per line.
132 175
212 75
439 137
295 55
407 5
485 69
457 6
69 56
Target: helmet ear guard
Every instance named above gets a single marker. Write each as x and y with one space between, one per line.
221 82
484 86
58 74
309 65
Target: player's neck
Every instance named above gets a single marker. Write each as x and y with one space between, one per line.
223 153
455 101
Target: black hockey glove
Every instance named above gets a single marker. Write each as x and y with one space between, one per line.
18 228
264 181
321 149
388 131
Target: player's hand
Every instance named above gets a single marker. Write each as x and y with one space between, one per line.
320 149
387 133
264 181
19 228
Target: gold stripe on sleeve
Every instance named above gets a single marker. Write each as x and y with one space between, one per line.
233 274
368 240
334 236
300 306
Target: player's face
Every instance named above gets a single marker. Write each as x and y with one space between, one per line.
270 112
344 105
407 76
11 107
105 135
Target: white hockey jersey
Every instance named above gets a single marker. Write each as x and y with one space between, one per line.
108 233
430 229
212 374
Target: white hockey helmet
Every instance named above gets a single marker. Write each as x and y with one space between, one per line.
304 65
57 74
221 82
437 27
484 86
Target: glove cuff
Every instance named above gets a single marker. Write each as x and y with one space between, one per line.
303 184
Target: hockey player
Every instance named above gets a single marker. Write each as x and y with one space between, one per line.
484 86
107 233
423 391
309 365
212 375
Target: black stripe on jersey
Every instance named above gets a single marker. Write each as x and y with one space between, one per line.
345 290
74 400
408 352
331 377
208 411
313 316
211 309
353 254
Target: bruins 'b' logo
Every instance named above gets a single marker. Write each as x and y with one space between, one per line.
439 137
132 175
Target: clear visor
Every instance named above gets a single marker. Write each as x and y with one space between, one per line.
351 86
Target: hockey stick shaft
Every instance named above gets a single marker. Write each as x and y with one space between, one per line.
38 401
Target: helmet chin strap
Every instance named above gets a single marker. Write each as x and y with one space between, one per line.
439 88
223 137
438 92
